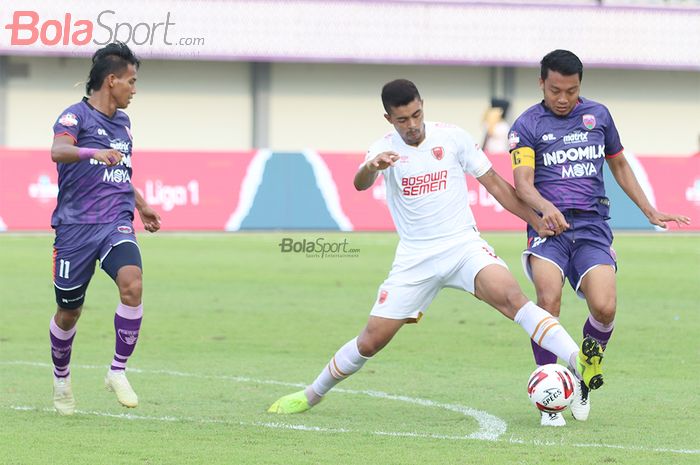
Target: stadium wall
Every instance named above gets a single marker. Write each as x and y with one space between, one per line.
307 190
179 105
203 105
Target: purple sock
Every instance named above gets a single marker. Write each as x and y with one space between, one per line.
61 345
127 322
598 330
542 356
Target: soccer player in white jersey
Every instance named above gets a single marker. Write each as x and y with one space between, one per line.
423 166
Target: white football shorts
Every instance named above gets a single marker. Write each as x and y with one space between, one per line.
417 275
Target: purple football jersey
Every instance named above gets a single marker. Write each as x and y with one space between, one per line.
569 153
90 192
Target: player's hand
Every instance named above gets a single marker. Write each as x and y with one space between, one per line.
543 230
150 219
110 157
553 219
382 161
659 219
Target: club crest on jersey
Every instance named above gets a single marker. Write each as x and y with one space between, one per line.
513 139
69 119
589 121
124 229
383 295
128 131
438 153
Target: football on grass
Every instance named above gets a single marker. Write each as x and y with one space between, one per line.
551 388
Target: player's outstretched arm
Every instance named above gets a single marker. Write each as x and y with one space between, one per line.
64 150
367 174
625 177
149 217
506 196
524 177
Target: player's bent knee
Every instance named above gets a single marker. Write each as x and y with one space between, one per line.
368 346
516 299
67 318
511 301
604 314
550 303
131 289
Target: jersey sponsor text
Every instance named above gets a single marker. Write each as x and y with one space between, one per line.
558 157
424 184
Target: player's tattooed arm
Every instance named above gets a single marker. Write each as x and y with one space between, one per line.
506 196
149 217
367 174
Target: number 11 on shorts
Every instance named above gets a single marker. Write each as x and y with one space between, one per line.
64 269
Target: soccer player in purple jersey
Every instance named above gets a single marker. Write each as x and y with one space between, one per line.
558 150
93 218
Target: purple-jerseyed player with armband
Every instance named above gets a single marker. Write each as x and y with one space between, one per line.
558 150
93 218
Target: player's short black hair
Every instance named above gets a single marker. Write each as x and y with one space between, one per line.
563 62
398 93
111 59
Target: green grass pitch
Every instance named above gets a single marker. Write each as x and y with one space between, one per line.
231 324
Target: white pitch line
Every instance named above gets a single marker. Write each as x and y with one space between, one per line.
490 426
319 429
298 427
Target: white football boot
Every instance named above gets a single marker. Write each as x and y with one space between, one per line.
581 405
63 399
552 419
116 382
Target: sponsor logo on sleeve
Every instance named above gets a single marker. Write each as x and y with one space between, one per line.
68 119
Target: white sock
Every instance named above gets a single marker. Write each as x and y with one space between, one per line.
546 331
345 362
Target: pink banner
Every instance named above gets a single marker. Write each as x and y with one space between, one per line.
190 190
28 189
214 191
676 184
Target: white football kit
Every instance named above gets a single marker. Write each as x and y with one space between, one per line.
427 195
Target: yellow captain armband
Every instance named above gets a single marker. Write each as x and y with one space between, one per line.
523 156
